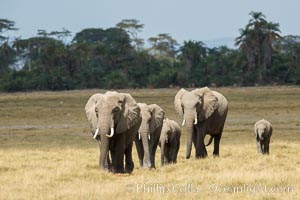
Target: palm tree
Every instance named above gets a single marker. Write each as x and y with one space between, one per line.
256 41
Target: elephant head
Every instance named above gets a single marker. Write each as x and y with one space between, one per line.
152 119
260 131
166 132
194 107
110 114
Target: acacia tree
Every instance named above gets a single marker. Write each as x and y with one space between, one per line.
7 53
6 25
163 45
133 27
257 41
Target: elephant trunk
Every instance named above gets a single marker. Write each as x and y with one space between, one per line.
190 132
106 126
260 134
162 155
106 131
145 141
190 121
104 147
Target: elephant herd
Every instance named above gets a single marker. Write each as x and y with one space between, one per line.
117 120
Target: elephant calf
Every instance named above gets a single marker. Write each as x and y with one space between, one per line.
263 132
169 142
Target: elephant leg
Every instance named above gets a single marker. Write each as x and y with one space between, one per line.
176 151
152 153
172 154
217 139
119 153
200 147
113 159
167 154
129 165
259 147
140 150
194 138
266 147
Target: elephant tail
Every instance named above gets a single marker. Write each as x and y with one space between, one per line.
209 141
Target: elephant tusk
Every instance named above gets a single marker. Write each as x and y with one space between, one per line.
196 121
149 136
139 136
111 133
183 123
96 133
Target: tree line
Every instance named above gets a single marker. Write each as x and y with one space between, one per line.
116 57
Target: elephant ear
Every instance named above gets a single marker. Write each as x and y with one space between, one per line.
255 128
209 103
90 110
157 116
130 113
177 101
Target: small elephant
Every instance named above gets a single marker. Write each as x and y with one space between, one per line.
114 119
204 112
169 142
263 132
148 134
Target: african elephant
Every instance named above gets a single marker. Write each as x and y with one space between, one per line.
263 132
169 141
148 135
116 117
204 112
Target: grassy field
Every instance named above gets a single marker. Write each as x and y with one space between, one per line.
47 152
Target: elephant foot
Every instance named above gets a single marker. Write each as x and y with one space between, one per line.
103 168
129 167
147 165
201 156
216 155
119 171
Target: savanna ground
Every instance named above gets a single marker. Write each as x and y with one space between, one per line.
47 152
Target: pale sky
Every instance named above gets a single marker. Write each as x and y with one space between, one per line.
197 20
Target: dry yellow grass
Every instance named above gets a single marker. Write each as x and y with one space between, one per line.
46 151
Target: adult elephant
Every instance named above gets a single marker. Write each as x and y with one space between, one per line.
115 120
204 112
149 133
